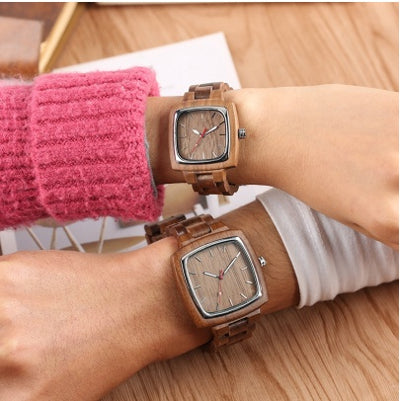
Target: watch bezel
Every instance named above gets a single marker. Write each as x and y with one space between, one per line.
204 313
231 155
224 156
229 314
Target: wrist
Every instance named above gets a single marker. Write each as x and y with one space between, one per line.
261 154
280 279
157 128
168 330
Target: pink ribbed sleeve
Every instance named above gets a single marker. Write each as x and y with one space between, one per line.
73 146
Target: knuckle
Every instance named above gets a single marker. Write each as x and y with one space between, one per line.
9 342
384 224
389 169
12 260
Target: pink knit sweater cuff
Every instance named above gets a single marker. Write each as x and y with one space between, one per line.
85 142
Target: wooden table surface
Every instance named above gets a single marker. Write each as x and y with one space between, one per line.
346 349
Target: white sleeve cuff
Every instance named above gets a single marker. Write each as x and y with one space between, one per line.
328 257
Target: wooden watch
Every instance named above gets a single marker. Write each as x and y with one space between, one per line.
204 138
217 273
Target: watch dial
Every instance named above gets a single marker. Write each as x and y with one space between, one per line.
221 277
201 135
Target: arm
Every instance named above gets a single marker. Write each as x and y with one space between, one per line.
71 317
66 317
334 147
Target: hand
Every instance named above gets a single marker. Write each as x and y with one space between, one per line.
335 147
73 326
198 141
213 128
219 294
210 274
230 264
204 134
61 318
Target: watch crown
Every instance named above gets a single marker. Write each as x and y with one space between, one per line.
262 261
242 133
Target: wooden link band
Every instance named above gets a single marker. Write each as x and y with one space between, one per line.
185 230
156 231
227 334
207 91
210 182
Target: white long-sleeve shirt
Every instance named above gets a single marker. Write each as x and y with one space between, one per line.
328 257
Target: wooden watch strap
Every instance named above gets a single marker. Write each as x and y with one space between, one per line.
234 332
210 90
185 230
209 182
159 230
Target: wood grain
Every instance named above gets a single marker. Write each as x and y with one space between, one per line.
271 44
346 349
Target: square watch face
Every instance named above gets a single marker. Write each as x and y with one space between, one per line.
201 135
221 277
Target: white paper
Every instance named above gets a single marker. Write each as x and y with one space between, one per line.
178 65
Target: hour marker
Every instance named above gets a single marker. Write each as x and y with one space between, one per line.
211 252
249 282
198 259
242 295
243 268
214 154
192 273
230 301
197 287
224 248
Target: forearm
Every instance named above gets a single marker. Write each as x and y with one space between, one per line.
282 126
123 311
334 147
170 316
312 258
79 324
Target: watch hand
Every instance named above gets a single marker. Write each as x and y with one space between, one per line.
220 276
231 264
213 128
210 274
198 141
